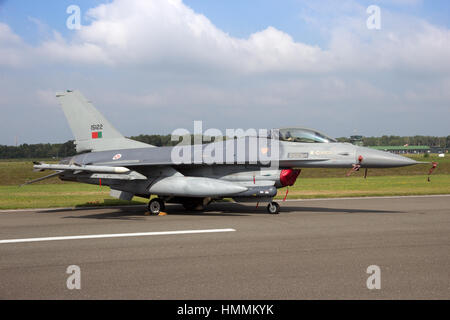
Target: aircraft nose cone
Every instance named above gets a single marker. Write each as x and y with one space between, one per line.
380 159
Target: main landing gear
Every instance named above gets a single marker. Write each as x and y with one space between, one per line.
273 208
196 204
156 206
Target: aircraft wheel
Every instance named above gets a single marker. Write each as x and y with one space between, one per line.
155 206
273 208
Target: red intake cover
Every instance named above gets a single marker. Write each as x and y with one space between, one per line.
288 177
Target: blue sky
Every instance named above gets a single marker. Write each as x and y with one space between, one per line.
238 18
17 14
230 63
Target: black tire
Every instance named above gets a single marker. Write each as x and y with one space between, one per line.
273 208
155 206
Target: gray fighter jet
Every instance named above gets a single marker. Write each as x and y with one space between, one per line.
246 169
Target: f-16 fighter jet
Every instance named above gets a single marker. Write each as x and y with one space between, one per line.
246 168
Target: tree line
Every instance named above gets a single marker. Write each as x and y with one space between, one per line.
67 149
443 142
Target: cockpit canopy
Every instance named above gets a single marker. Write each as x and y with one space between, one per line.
303 135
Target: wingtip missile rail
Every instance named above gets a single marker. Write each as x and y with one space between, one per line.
87 168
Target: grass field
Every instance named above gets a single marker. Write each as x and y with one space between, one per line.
313 183
57 195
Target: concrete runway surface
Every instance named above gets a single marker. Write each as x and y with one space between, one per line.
315 249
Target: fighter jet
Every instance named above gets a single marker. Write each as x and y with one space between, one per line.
195 175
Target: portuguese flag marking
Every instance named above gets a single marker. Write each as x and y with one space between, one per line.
97 135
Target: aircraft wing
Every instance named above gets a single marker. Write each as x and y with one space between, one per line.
119 173
169 162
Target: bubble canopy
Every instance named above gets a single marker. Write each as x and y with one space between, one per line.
303 135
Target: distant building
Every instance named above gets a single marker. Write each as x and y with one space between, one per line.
356 140
439 150
403 149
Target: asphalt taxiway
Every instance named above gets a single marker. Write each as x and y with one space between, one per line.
315 249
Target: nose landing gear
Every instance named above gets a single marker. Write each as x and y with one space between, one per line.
273 208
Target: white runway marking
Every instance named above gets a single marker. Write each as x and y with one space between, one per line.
117 235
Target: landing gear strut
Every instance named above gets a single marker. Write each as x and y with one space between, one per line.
196 204
155 206
273 208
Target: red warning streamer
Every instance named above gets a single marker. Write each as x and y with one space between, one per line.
287 191
356 166
432 169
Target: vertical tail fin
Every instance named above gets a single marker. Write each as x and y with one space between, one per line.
91 130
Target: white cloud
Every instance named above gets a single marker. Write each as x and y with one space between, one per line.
11 48
169 33
165 33
151 32
401 2
45 98
161 60
58 50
